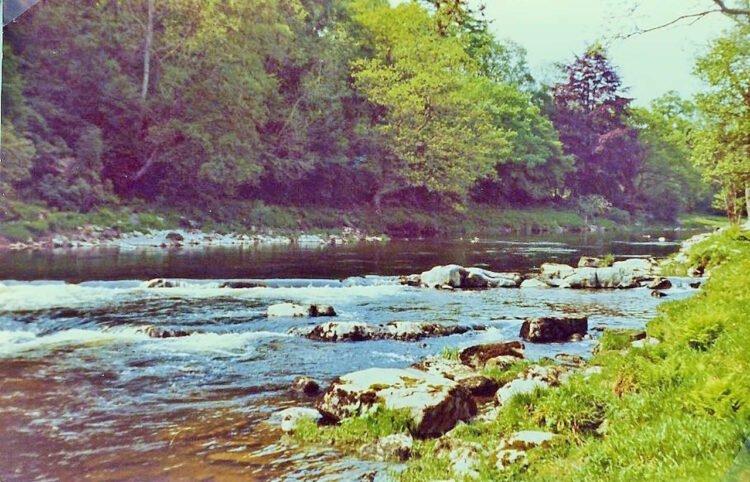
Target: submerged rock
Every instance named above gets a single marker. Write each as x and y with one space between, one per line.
553 329
434 403
292 310
242 284
164 283
174 237
307 386
156 332
660 283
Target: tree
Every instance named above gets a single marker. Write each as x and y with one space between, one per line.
723 142
591 115
433 117
668 183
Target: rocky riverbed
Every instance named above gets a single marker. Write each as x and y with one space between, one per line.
189 378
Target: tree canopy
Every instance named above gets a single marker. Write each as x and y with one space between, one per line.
332 102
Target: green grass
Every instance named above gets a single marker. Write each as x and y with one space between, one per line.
352 433
703 221
617 339
712 252
19 221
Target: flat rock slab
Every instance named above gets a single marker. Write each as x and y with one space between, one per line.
477 356
336 331
434 403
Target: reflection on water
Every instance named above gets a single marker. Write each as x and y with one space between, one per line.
394 258
85 394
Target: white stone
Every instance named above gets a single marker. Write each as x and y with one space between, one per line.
435 403
288 310
290 417
517 387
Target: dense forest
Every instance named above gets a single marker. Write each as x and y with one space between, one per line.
346 103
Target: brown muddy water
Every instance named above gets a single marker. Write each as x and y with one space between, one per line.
85 396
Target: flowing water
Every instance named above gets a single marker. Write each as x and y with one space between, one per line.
84 395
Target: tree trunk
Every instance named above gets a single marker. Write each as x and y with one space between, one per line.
747 203
377 200
147 51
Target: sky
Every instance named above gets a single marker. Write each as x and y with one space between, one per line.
650 64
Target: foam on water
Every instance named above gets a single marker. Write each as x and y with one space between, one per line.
34 296
13 343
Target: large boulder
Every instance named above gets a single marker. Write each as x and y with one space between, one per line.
482 278
581 278
638 267
555 271
553 329
534 283
477 356
458 277
434 403
476 383
615 277
439 276
589 262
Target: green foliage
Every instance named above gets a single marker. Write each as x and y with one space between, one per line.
354 432
607 260
434 117
505 375
721 142
617 339
669 184
450 353
17 159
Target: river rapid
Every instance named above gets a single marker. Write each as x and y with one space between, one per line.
85 395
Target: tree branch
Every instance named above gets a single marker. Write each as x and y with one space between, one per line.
731 10
694 16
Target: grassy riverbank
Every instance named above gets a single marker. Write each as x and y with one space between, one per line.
677 410
19 221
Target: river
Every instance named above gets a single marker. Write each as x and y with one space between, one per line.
85 396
